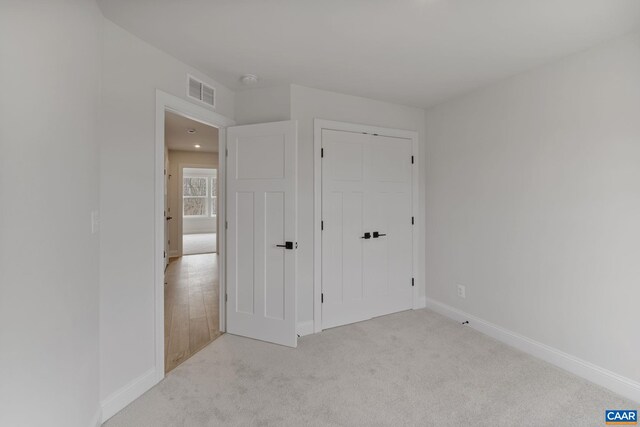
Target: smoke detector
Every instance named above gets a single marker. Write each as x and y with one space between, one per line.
249 79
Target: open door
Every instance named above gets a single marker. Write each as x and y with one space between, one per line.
262 231
167 213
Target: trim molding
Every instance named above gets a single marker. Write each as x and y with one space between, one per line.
127 394
96 421
617 383
305 328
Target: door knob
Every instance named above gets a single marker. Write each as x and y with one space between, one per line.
169 217
287 245
376 234
367 235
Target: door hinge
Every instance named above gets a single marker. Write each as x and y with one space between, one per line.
411 159
321 225
322 152
321 298
168 242
413 282
412 220
226 225
226 152
164 254
226 297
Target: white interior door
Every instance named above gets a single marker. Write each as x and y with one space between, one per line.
167 212
261 234
367 236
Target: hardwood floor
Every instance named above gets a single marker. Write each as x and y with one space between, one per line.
191 319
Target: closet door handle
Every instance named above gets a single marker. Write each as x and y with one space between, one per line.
367 235
376 234
287 245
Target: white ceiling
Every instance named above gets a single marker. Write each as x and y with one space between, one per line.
414 52
176 136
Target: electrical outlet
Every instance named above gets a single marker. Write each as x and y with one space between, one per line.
462 291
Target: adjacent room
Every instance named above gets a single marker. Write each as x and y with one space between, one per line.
191 277
335 213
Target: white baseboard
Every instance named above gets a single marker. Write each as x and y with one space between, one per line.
96 421
421 302
617 383
127 394
305 328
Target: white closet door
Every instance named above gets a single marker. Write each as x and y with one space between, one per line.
261 234
389 257
343 209
366 188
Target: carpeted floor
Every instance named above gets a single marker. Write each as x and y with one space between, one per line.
412 368
194 244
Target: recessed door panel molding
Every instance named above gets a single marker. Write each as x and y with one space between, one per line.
274 263
256 157
367 241
262 232
244 243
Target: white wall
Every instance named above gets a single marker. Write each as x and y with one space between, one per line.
533 196
308 104
132 71
263 105
200 225
49 99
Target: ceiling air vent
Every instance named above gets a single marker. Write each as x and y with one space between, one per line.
200 91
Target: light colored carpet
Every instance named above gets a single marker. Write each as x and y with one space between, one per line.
415 368
203 243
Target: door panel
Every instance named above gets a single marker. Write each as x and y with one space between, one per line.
366 187
244 243
274 256
261 188
260 157
343 215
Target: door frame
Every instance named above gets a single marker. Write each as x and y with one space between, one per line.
318 126
167 102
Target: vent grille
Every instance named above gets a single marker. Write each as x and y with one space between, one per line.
208 95
195 89
200 91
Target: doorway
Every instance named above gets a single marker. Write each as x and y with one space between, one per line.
255 162
191 278
198 204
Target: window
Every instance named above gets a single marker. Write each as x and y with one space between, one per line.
214 193
200 194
